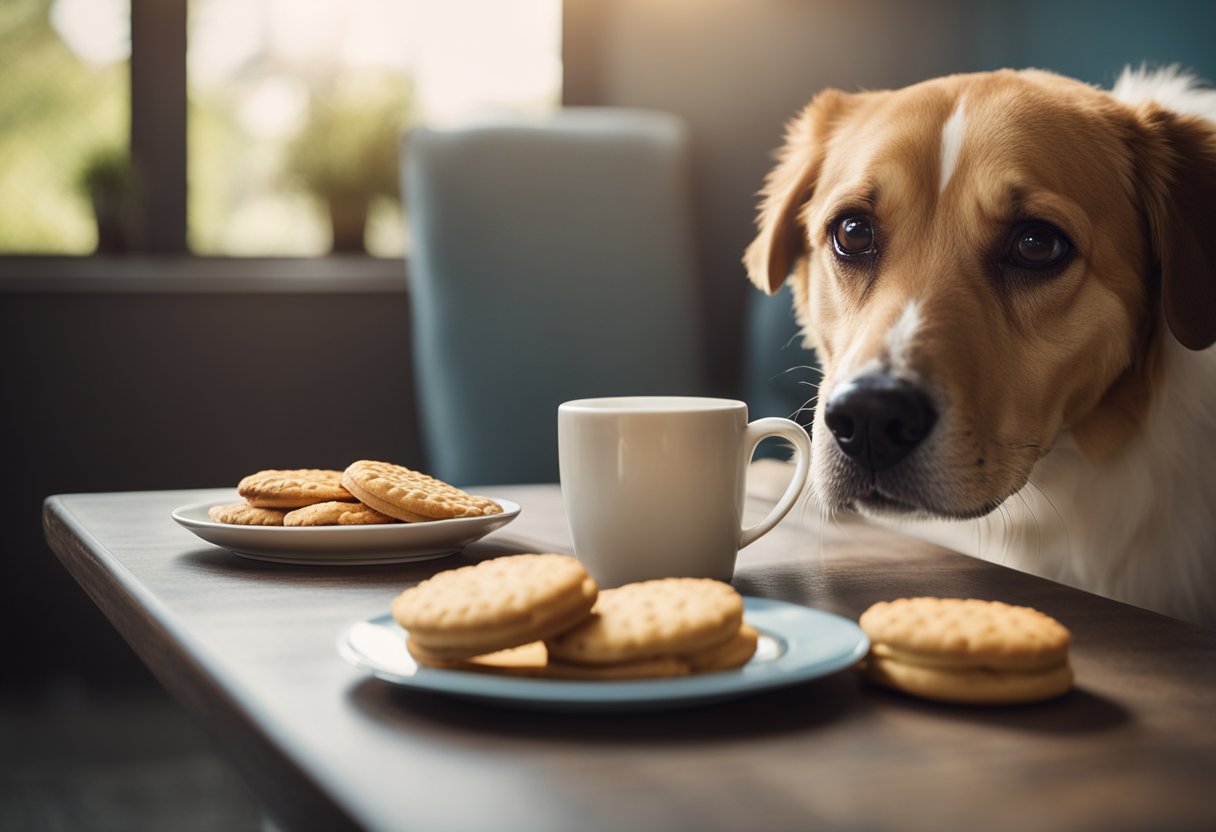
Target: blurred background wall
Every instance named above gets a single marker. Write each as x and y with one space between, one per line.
149 390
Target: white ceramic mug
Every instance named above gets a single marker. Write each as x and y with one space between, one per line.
654 485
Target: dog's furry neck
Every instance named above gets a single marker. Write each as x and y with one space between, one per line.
1137 525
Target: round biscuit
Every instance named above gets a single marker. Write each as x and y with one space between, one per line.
525 660
735 652
966 633
972 686
496 604
335 513
293 488
410 495
243 514
665 617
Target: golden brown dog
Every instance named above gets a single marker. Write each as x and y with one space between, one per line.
1010 281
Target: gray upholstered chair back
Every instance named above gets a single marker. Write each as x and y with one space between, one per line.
550 259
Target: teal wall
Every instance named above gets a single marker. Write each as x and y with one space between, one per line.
1093 40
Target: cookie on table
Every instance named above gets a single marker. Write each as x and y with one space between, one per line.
336 513
494 605
293 488
669 617
243 514
411 496
967 650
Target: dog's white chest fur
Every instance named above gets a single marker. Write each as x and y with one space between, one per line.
1139 526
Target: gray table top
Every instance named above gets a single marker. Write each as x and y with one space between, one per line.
249 649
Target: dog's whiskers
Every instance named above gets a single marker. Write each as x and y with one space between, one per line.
802 505
810 367
1059 516
807 407
1006 525
823 520
1038 531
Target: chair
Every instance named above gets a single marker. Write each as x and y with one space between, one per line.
551 259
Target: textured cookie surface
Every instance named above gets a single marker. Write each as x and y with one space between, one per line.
412 496
735 652
293 488
243 514
965 633
336 513
495 604
667 617
525 660
974 686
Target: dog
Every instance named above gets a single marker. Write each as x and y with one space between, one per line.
1009 279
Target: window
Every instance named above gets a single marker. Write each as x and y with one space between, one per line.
294 110
64 116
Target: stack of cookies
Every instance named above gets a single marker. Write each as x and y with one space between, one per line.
667 627
366 493
543 615
967 650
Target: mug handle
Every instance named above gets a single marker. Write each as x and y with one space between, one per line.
796 434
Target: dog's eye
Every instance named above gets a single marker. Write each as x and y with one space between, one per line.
853 236
1037 246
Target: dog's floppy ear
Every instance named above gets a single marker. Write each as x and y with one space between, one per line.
1180 166
781 238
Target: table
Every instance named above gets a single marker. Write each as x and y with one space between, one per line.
248 648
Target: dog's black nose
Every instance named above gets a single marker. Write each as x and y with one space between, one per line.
877 420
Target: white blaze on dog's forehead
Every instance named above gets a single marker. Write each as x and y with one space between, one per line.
952 144
899 337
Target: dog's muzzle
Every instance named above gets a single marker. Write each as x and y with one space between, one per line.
878 420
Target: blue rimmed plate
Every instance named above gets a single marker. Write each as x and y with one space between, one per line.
796 644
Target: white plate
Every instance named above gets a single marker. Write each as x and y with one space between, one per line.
796 644
344 545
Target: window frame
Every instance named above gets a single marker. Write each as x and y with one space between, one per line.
158 124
